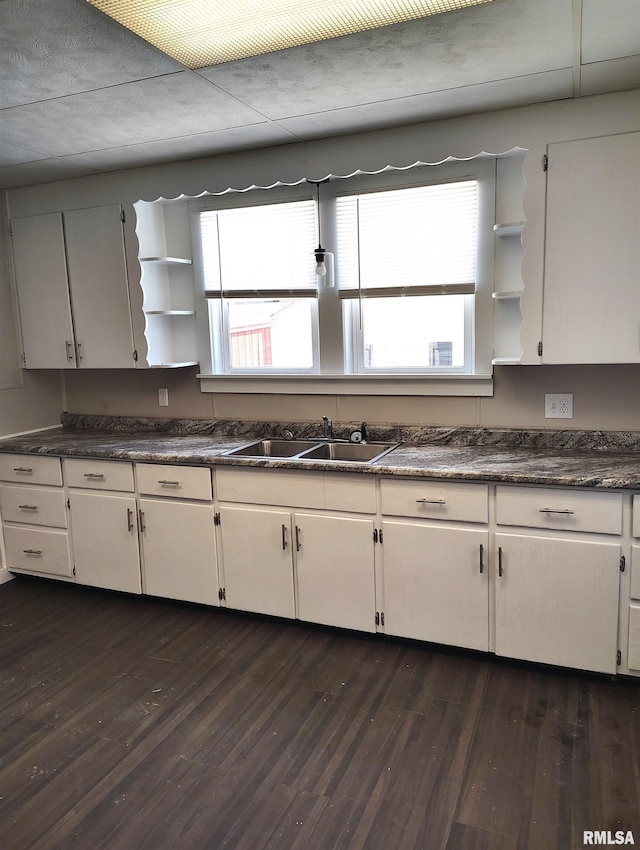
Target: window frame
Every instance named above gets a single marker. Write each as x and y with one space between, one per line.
336 369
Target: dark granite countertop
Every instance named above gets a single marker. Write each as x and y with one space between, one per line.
609 460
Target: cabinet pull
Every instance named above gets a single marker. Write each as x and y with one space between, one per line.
23 470
165 483
284 536
129 519
32 551
69 347
500 568
94 476
481 559
430 502
566 511
298 539
143 527
28 507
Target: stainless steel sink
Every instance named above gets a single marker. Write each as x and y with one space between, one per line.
321 450
272 448
350 452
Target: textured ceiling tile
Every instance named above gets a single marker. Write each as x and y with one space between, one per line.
13 154
481 45
186 147
51 48
434 105
43 171
610 30
160 108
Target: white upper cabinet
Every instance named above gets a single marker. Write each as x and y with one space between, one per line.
591 297
73 291
43 292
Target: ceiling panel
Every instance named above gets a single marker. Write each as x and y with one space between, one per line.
610 29
52 48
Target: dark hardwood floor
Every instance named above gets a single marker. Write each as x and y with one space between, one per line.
130 722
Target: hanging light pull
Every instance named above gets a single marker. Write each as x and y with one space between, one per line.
320 253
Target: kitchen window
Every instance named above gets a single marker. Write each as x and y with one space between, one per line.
407 293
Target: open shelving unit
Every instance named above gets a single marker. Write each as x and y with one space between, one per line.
167 284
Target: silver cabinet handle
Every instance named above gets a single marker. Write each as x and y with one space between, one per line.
23 470
32 551
481 559
500 566
28 507
430 502
566 511
284 536
69 347
129 519
165 483
94 476
298 539
143 527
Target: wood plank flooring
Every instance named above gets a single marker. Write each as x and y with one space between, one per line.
129 722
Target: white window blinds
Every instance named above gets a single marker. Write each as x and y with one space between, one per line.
416 241
261 251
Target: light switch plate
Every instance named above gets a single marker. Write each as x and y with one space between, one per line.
558 405
163 397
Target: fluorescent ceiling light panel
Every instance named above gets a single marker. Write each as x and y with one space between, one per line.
199 33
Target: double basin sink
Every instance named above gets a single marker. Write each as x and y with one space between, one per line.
321 449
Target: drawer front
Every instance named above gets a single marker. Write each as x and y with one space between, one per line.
99 474
38 551
33 506
285 487
563 509
177 482
430 499
352 493
31 469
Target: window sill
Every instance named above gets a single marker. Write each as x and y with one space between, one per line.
406 385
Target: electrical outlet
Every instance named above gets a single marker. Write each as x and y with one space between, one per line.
163 397
558 406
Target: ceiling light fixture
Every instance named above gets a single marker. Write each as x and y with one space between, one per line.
319 252
200 33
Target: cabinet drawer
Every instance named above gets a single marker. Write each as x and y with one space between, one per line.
31 469
33 506
349 492
430 499
99 474
177 482
562 509
38 551
286 487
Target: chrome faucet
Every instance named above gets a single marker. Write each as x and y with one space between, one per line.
327 427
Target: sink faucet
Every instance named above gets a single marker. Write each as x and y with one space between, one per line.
327 427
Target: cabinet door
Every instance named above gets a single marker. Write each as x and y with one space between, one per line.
335 570
43 292
257 561
591 311
557 601
105 541
179 551
99 287
435 583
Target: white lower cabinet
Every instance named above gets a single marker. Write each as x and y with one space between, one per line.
557 600
105 541
335 570
436 585
178 550
258 564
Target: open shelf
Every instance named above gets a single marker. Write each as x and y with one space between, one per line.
167 261
507 295
511 228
